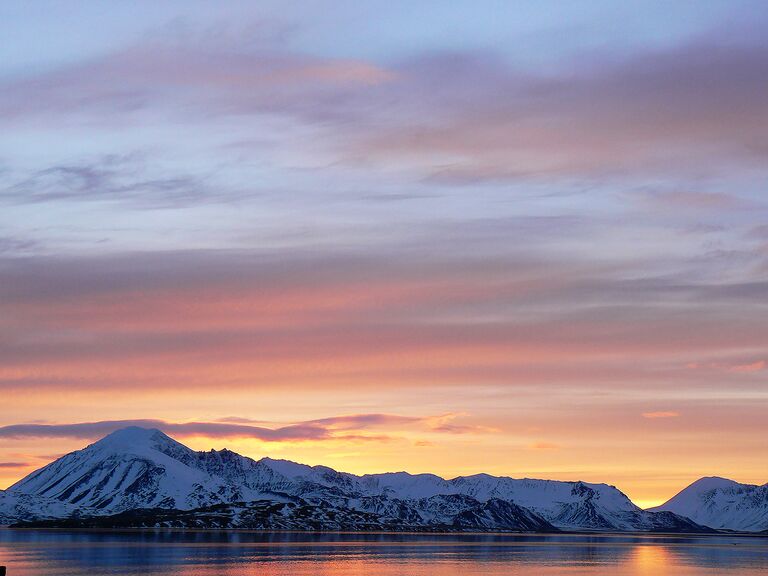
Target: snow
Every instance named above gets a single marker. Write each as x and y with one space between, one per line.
722 503
16 506
143 468
287 468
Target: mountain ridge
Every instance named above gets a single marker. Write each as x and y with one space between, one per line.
138 469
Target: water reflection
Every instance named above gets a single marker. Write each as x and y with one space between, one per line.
190 553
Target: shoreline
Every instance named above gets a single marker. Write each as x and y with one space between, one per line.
566 533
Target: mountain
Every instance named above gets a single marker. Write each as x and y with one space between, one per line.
723 504
495 515
16 507
141 477
138 468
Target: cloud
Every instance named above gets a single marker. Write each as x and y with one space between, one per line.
660 414
17 245
250 319
446 423
458 117
127 179
239 420
210 80
544 446
475 119
13 465
357 421
91 430
730 366
757 366
348 428
759 232
707 201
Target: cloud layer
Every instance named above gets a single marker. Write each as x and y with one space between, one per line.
490 240
352 427
155 319
459 117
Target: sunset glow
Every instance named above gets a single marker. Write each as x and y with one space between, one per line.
524 244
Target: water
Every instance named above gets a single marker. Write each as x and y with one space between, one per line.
190 553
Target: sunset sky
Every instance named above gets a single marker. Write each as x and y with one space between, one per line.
462 237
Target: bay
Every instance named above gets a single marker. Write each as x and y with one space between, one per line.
209 553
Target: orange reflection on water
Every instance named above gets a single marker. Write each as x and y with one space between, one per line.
651 559
243 553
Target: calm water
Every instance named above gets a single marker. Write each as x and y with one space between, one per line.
65 553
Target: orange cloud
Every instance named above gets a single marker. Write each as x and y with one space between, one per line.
544 446
445 423
660 414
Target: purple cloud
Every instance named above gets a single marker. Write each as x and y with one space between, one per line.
464 117
690 200
125 179
325 429
90 430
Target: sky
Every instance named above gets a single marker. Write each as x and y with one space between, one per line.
521 238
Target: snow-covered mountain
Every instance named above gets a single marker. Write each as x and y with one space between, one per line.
723 504
15 506
138 474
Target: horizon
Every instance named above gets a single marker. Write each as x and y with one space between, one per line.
448 478
522 239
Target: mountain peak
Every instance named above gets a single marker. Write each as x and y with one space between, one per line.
135 438
721 503
712 483
133 434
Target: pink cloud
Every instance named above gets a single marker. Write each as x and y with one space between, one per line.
346 71
748 368
743 368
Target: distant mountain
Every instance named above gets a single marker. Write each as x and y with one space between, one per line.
723 504
141 477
